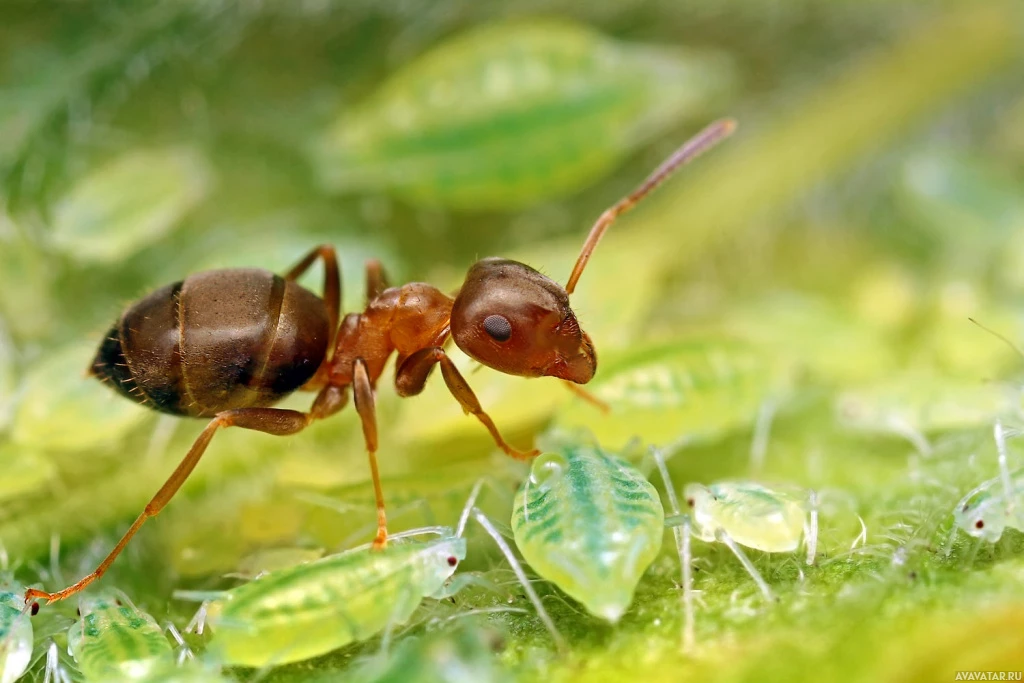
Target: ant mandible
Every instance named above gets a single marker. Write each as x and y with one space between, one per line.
227 344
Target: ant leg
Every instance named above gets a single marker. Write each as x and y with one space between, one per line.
412 374
332 282
362 390
276 421
376 279
587 396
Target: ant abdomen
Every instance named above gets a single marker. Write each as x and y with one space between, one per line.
218 340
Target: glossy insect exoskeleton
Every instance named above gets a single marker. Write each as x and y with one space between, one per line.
590 523
737 513
229 344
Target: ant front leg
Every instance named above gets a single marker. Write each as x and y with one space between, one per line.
411 376
366 406
276 421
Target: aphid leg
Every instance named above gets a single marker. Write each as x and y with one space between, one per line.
1004 467
411 375
811 530
722 537
762 432
587 396
686 558
362 390
197 624
681 533
269 420
184 651
54 672
690 150
542 613
376 279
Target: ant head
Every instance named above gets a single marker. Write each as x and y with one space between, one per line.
512 318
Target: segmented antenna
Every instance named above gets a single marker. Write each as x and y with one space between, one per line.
691 149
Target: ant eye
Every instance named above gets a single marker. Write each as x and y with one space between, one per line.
498 327
979 524
690 502
452 561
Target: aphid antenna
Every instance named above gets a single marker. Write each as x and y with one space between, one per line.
1004 466
1003 338
811 529
470 510
54 673
862 537
688 151
542 613
184 651
762 433
682 533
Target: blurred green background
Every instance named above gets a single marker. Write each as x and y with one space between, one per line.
829 255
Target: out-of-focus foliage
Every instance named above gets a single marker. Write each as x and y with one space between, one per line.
512 114
795 303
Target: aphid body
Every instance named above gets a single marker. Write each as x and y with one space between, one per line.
15 634
591 524
115 641
746 513
310 609
754 515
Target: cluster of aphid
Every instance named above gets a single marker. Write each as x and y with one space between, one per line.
584 519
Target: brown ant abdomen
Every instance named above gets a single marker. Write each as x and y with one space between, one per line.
218 340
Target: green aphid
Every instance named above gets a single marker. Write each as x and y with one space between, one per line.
746 513
97 220
994 505
463 655
684 392
591 524
15 633
310 609
510 114
115 641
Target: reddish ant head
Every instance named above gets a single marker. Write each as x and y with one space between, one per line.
511 318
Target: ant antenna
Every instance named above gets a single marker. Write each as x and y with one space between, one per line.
1000 337
691 149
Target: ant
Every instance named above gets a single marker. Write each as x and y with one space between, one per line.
228 344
